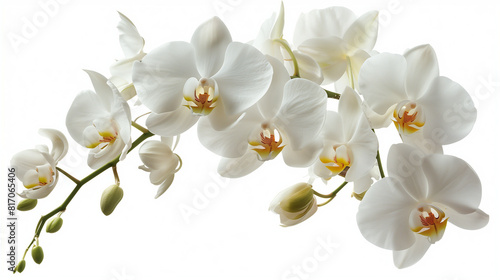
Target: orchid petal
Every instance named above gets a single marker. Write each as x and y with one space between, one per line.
98 157
309 69
452 182
471 221
157 155
350 110
354 64
364 146
59 142
277 31
383 215
412 255
26 160
210 41
101 88
302 113
160 77
379 91
131 41
362 34
270 103
453 122
243 79
165 185
239 167
422 69
171 123
334 128
379 121
120 112
302 157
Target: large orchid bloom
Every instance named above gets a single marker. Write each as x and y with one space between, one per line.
36 168
409 210
350 146
211 76
428 110
132 45
338 40
270 41
160 162
288 118
100 121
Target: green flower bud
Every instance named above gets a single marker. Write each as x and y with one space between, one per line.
20 266
54 225
27 204
37 254
298 199
110 198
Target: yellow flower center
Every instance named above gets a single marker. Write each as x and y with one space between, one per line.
429 221
39 177
408 117
204 98
337 162
101 133
270 144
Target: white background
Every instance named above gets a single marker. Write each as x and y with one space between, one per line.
231 235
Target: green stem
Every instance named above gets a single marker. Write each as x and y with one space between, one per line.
332 194
140 127
80 184
76 181
332 94
285 45
380 168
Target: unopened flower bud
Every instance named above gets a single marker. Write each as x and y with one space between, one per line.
110 198
27 204
20 266
54 225
37 254
295 204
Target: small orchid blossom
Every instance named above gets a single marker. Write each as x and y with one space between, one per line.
160 162
270 42
339 42
294 204
100 121
211 76
132 45
350 146
36 168
409 210
288 118
428 110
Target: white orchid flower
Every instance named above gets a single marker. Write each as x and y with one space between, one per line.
160 162
132 45
428 110
270 42
211 76
409 210
339 41
350 146
294 204
100 121
36 168
288 118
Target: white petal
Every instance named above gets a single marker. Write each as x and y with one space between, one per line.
303 157
309 69
210 41
229 143
244 78
452 182
270 103
422 69
426 145
98 157
26 160
449 111
101 88
302 113
378 121
220 120
350 110
120 113
40 192
165 185
362 184
131 41
364 146
404 162
333 21
362 34
171 123
59 142
334 128
330 53
277 31
239 167
160 77
412 255
157 155
86 107
471 221
381 81
383 215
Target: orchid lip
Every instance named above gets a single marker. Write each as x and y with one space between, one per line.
428 220
408 117
270 144
203 99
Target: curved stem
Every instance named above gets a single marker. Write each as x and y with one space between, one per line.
80 184
140 127
380 168
76 181
332 194
285 45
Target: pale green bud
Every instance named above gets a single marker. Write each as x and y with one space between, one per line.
54 225
110 198
358 196
20 266
27 204
37 254
298 199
